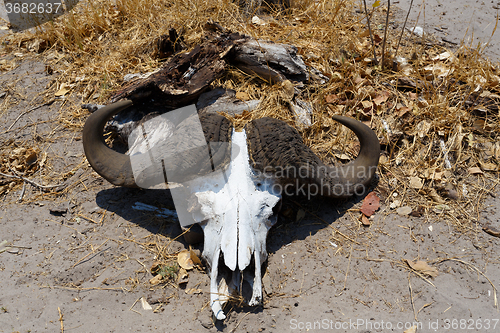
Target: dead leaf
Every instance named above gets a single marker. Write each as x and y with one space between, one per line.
369 61
436 70
342 157
367 104
358 81
370 204
145 304
419 212
193 291
365 221
156 280
183 276
155 267
413 96
364 33
184 260
438 209
433 173
31 158
416 183
405 210
432 193
475 171
332 98
443 56
381 97
489 166
258 21
194 258
422 128
288 90
422 267
336 76
300 215
402 111
62 91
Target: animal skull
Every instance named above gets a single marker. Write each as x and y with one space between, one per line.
231 181
233 205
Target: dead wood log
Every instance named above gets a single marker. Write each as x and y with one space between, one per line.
270 61
185 76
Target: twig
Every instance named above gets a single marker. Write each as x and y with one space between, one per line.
492 33
137 300
424 306
43 187
385 31
477 270
83 289
88 254
402 30
347 271
302 283
22 193
238 324
86 218
61 319
80 246
104 214
28 111
411 296
370 31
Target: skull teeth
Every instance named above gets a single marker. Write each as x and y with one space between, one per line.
216 300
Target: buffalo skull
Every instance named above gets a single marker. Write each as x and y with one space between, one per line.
230 181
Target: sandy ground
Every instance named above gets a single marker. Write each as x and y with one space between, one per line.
455 22
83 270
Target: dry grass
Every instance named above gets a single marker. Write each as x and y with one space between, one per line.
432 133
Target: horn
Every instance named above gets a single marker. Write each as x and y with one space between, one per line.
277 151
360 171
111 165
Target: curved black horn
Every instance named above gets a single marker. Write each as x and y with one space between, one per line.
277 150
359 172
111 165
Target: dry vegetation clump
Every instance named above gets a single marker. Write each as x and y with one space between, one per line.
435 110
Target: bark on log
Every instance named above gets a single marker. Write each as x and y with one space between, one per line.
185 76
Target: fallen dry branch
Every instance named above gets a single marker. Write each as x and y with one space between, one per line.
43 187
